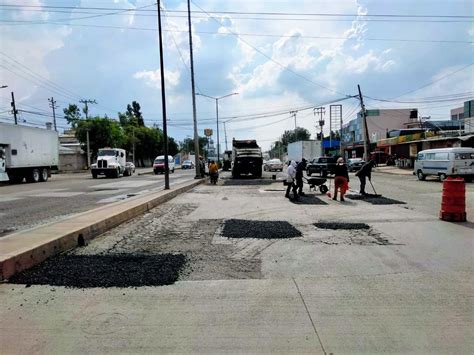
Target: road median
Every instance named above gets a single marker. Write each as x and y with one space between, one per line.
24 249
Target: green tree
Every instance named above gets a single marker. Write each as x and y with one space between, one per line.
103 132
132 116
72 114
298 134
187 146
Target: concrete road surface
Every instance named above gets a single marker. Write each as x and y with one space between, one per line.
26 205
403 286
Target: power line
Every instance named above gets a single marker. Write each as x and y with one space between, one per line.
141 9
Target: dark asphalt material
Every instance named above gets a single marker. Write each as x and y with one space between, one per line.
376 199
308 200
341 225
249 182
242 228
120 270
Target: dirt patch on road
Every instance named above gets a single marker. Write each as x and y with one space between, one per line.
86 271
242 228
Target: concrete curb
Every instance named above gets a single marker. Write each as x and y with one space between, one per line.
22 250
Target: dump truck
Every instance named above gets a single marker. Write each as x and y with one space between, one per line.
111 163
246 158
27 153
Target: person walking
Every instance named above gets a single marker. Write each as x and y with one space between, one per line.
290 180
300 168
341 179
202 167
365 172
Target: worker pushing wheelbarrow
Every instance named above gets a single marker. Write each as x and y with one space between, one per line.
313 182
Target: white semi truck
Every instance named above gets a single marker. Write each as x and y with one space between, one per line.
27 153
111 162
304 149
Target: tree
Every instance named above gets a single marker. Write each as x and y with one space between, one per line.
298 134
103 132
132 116
187 146
72 114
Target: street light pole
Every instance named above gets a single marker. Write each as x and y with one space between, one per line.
217 117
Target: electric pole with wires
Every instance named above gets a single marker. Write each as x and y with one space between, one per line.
364 123
86 107
52 104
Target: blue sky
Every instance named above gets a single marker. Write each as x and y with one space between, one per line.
277 64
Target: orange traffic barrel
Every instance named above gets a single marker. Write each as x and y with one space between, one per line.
453 203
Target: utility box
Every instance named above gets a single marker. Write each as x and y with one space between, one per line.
304 149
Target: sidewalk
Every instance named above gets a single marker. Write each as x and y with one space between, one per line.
393 170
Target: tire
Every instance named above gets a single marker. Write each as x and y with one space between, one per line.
468 179
44 175
323 189
94 175
442 177
126 172
116 174
420 175
308 173
33 176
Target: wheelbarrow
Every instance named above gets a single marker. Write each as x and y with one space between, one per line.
317 181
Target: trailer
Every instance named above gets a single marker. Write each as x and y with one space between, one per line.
27 153
304 149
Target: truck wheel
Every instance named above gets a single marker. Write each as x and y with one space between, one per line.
94 175
44 175
33 176
126 172
117 173
323 189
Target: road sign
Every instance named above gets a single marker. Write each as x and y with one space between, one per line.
208 132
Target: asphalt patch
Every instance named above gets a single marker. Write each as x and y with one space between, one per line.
242 228
4 232
121 270
247 182
376 199
342 225
308 200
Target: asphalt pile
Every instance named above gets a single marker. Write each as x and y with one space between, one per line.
308 200
121 270
376 199
342 225
242 228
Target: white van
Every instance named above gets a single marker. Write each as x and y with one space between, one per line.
159 164
445 162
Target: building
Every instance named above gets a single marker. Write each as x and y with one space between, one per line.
71 156
379 123
457 113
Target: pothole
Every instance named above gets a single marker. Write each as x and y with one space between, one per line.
242 228
119 270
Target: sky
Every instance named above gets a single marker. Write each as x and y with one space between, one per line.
278 56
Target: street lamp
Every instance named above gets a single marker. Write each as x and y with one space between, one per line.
217 116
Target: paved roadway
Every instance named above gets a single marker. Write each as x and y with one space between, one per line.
26 205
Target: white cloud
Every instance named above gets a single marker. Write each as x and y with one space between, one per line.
152 78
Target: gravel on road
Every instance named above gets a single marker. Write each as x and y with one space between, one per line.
242 228
119 270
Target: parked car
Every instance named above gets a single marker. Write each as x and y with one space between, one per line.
445 162
131 167
187 164
273 165
355 164
159 164
323 166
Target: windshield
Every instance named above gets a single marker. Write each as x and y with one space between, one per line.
107 153
159 161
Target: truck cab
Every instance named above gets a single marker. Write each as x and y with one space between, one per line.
111 162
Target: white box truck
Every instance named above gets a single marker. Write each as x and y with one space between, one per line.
304 149
27 153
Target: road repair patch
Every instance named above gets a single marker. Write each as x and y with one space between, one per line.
119 270
247 182
243 228
341 225
376 199
308 200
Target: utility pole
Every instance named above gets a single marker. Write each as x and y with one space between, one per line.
133 145
86 108
225 134
52 104
364 122
293 113
321 111
88 149
196 137
163 100
15 111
